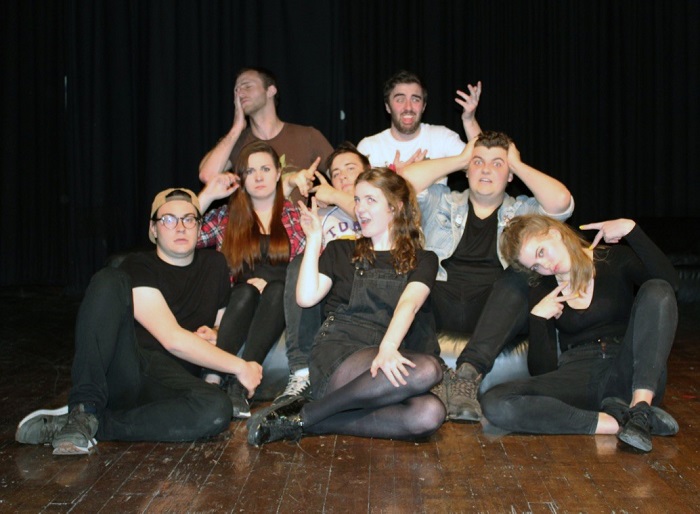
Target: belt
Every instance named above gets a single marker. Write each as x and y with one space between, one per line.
603 342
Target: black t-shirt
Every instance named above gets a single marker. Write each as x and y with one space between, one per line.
474 266
264 268
336 263
194 293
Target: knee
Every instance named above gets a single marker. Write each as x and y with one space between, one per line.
429 370
499 407
657 290
244 293
110 281
212 411
430 415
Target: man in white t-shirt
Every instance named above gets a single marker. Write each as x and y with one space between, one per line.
408 140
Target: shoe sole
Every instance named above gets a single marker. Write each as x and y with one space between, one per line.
634 441
68 448
61 411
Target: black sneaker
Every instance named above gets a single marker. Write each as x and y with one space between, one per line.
281 422
40 426
661 422
77 437
461 394
297 385
238 396
636 427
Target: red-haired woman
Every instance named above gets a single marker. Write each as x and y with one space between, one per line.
259 233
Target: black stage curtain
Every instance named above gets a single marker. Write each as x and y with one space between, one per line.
105 103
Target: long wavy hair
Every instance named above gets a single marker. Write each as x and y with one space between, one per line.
406 234
241 243
521 228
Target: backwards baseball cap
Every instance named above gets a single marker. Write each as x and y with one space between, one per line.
169 195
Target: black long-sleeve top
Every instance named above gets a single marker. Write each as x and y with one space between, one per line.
619 269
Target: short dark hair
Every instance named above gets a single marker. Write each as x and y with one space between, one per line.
268 79
491 138
403 77
346 147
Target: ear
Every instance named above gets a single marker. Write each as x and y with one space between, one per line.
553 232
153 229
271 91
425 104
510 176
386 106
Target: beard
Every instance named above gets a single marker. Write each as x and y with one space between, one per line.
406 129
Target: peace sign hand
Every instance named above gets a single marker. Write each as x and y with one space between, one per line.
609 231
552 305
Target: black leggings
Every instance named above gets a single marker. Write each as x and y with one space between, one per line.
357 404
254 319
567 401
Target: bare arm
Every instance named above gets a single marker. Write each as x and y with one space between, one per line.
152 311
388 359
328 195
312 286
551 194
423 173
469 102
221 186
217 159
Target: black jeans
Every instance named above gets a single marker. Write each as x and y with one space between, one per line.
567 401
140 395
302 323
493 324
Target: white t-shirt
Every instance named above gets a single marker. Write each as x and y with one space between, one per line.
437 139
337 224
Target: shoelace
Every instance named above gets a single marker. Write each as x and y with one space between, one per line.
296 385
463 387
79 422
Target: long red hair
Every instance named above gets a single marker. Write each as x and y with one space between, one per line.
241 243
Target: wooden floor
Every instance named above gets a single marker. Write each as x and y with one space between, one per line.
462 468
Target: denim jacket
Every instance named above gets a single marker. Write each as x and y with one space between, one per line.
444 217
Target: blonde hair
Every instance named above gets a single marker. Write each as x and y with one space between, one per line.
521 228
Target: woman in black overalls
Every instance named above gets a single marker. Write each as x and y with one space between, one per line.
364 380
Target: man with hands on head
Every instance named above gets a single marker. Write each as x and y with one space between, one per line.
145 333
255 98
473 294
410 140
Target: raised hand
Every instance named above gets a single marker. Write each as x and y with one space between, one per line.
238 114
469 101
324 192
609 231
309 219
392 364
399 165
302 179
552 305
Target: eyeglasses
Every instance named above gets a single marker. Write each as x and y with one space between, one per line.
170 221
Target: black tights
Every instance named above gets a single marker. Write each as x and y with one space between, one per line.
253 318
357 404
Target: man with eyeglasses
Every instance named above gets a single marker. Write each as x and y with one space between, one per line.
144 334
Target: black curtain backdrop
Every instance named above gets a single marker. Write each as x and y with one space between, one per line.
105 103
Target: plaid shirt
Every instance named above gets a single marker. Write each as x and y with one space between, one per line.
215 221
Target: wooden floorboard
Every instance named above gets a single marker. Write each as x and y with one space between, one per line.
462 468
